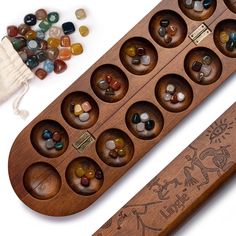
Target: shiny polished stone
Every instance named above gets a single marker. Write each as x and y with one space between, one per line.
59 66
30 20
41 14
52 53
80 14
140 51
32 62
108 78
167 39
59 146
23 29
110 92
30 35
174 99
53 42
167 97
207 4
189 4
45 25
207 60
224 37
150 125
76 49
50 144
12 31
65 54
40 34
80 172
144 117
164 23
43 44
136 118
119 143
47 134
56 136
84 30
162 31
172 30
103 85
198 6
115 85
86 106
90 174
84 117
78 110
113 154
206 70
145 60
230 45
85 181
136 60
48 66
110 145
121 153
18 43
232 36
196 66
55 32
98 175
131 51
32 45
41 56
68 28
53 17
140 127
23 55
170 89
41 73
65 41
180 97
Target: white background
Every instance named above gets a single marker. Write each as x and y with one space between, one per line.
108 21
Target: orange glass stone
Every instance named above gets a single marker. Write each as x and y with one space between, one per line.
31 34
65 41
54 43
65 54
76 49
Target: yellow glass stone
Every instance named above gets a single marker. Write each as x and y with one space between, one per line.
53 42
30 35
224 37
78 110
121 152
76 49
90 174
80 172
120 143
84 30
131 51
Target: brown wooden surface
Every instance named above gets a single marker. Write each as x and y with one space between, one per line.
182 186
113 115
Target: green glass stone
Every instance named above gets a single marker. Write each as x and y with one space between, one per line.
18 43
53 17
59 146
45 25
136 118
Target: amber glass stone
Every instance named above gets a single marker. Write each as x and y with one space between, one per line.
84 30
90 174
65 41
12 31
65 54
53 42
41 73
31 34
59 66
41 14
76 49
23 29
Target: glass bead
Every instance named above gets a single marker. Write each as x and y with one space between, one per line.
162 31
198 6
144 117
50 144
32 62
136 118
110 145
103 85
45 25
84 30
56 136
68 28
41 55
41 73
59 66
31 34
64 54
59 146
86 106
113 154
121 152
65 41
78 110
48 66
43 44
55 32
41 14
167 39
131 51
53 42
12 31
149 125
32 44
53 17
47 134
115 85
140 51
99 175
80 172
84 181
180 97
90 174
76 49
164 23
84 117
40 34
30 20
18 43
52 53
119 142
23 29
224 37
172 30
80 14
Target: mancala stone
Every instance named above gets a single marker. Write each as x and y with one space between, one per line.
164 23
86 106
64 54
80 172
232 36
47 134
141 51
59 66
23 29
12 31
131 51
119 142
90 174
98 175
84 117
110 145
32 44
198 6
40 34
45 25
52 53
41 73
189 4
80 14
68 28
50 144
136 60
43 44
31 34
167 97
145 60
23 55
174 99
30 19
103 85
207 4
85 181
207 60
41 14
170 89
59 146
224 37
150 125
78 110
167 39
53 42
121 153
140 127
53 17
110 92
84 30
162 31
32 62
136 118
65 41
41 56
196 66
206 70
115 85
180 97
48 66
56 136
144 117
76 49
55 32
230 45
172 30
113 154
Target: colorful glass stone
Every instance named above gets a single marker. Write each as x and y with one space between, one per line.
52 53
115 85
167 39
196 66
30 19
42 44
84 117
198 6
232 36
76 49
41 14
172 30
119 142
84 181
68 28
18 44
164 23
180 97
189 4
90 174
64 54
121 152
98 175
80 172
145 60
59 146
47 134
23 55
12 31
48 66
162 31
32 62
84 30
55 32
131 51
207 60
103 85
80 14
136 118
110 145
59 66
31 34
56 136
41 73
224 37
53 42
32 45
140 51
167 97
23 29
170 88
65 41
50 144
140 127
41 56
207 4
149 125
45 25
86 106
113 154
230 45
144 117
78 110
206 70
40 34
136 60
53 17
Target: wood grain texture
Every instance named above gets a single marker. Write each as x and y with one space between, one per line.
182 186
114 115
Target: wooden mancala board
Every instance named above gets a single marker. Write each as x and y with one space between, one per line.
152 82
184 184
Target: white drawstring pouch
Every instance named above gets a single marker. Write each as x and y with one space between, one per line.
14 76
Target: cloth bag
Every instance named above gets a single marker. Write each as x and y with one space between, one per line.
14 76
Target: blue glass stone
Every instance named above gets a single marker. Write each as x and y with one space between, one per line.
68 28
32 62
40 34
48 66
207 4
232 36
47 134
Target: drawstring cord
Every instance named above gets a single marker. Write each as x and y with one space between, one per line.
22 113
